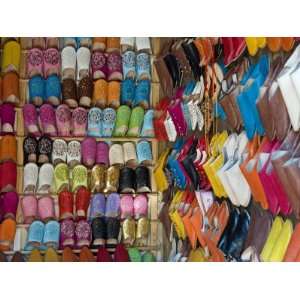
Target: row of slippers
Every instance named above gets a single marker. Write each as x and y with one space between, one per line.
121 255
108 44
88 151
88 93
94 122
100 179
75 206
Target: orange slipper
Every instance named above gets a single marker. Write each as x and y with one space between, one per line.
8 148
189 229
7 234
197 222
287 43
294 246
86 255
112 44
68 255
274 44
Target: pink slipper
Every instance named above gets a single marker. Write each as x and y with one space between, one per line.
35 61
79 121
51 62
29 208
46 208
88 150
47 120
31 119
63 120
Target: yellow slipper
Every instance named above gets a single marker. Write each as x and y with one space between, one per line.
252 45
51 255
282 242
272 238
261 42
35 256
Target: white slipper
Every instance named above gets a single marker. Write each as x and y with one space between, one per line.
130 157
127 43
46 175
83 62
68 62
74 153
20 239
116 155
143 44
31 171
59 152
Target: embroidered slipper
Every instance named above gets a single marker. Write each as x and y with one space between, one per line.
148 128
67 233
8 148
114 67
112 233
46 175
74 153
127 92
98 226
144 153
53 90
116 155
44 149
103 255
143 44
128 232
129 151
61 177
88 150
99 43
142 176
136 122
35 235
112 209
112 179
47 120
113 94
142 231
29 208
7 116
30 177
68 255
51 234
35 256
10 88
36 90
122 121
126 207
69 92
10 202
65 201
51 62
127 180
140 206
30 146
97 207
35 61
86 255
85 91
11 57
46 208
102 156
143 66
98 65
9 181
59 152
100 93
63 118
142 94
79 120
31 119
127 43
83 234
97 179
51 255
95 119
68 62
79 177
109 119
113 44
83 55
128 60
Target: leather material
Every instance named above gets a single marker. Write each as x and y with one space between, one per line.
127 180
98 231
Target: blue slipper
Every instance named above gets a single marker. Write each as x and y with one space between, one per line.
53 90
95 119
51 234
35 235
36 90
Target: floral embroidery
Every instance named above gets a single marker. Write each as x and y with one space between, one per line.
80 116
63 114
35 57
98 60
114 62
51 56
